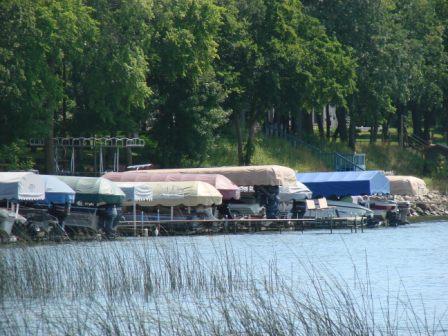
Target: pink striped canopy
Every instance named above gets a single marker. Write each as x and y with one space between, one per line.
220 182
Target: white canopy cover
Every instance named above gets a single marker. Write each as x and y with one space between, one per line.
22 186
407 185
299 192
135 191
187 193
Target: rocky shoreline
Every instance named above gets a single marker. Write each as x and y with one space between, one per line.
434 204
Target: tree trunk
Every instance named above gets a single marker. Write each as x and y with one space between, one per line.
49 149
341 114
416 120
250 146
385 131
427 126
299 123
308 123
374 132
239 138
320 125
328 121
400 122
352 133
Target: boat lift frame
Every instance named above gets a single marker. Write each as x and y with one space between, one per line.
94 143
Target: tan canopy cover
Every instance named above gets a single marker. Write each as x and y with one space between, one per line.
220 182
407 185
187 193
245 175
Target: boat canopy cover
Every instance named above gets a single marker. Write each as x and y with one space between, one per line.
57 191
271 175
220 182
22 186
407 185
135 191
327 184
298 193
94 189
187 193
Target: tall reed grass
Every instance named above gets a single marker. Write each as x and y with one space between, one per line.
149 287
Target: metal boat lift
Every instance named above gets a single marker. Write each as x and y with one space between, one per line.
62 146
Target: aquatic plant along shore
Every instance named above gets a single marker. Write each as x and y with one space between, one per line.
215 286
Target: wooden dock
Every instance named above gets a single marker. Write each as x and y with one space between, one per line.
207 226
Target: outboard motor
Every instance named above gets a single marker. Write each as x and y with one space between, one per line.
404 210
268 196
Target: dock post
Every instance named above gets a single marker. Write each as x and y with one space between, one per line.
331 225
302 225
362 225
142 221
356 226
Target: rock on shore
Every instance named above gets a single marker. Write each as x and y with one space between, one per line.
432 204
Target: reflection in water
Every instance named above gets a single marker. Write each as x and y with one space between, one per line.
158 278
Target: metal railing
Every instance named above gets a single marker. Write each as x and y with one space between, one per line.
336 160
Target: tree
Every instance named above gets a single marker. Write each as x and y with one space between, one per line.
187 100
273 57
111 90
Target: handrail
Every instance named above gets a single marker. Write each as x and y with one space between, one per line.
334 156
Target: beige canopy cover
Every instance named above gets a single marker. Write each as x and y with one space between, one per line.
187 193
245 175
407 185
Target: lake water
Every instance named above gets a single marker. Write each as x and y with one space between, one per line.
407 264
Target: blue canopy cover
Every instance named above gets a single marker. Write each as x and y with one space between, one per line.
56 191
353 183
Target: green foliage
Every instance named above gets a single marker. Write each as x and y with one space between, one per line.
267 151
390 157
15 156
188 97
274 57
441 167
177 71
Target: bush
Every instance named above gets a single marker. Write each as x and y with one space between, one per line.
16 156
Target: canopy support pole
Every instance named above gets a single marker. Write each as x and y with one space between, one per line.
172 213
17 210
101 160
134 211
72 161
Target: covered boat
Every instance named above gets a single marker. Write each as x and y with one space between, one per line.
94 189
407 185
21 186
186 193
340 184
16 187
299 192
57 191
227 189
102 193
268 175
135 192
